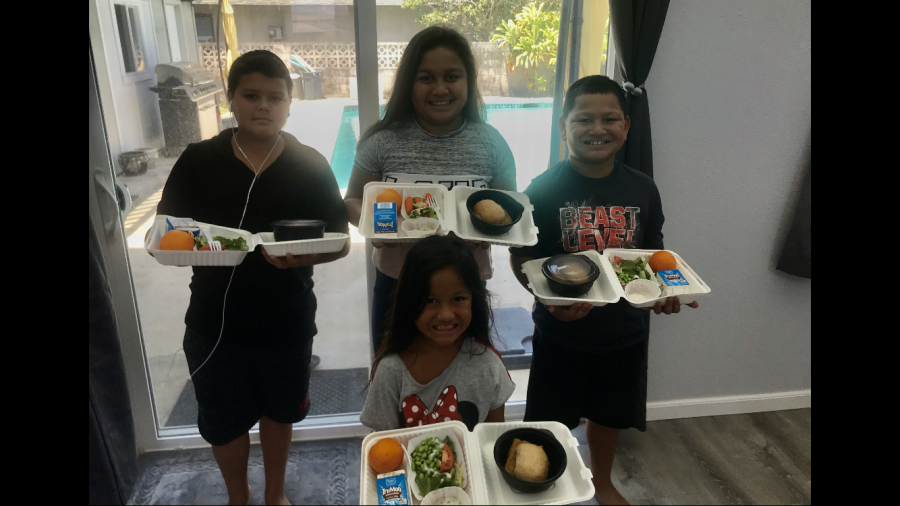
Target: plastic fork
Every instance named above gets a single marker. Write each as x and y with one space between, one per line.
213 245
437 210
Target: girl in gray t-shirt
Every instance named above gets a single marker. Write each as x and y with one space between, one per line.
433 131
437 363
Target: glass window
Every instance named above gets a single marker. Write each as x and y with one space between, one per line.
515 46
128 23
323 38
317 44
205 31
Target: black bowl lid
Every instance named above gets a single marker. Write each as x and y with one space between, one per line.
298 223
570 269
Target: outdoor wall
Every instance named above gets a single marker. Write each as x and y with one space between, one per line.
730 103
337 62
130 109
327 23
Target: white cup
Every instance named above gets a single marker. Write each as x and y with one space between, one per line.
438 496
642 290
419 227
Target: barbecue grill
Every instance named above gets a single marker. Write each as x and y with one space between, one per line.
188 104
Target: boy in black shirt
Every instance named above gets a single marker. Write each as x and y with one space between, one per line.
590 361
256 366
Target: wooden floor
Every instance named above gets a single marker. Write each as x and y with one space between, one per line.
759 458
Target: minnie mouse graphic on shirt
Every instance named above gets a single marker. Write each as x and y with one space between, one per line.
447 408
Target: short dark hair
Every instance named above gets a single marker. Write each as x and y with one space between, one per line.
428 256
400 106
592 85
265 62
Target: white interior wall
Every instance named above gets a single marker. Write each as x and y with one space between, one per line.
730 108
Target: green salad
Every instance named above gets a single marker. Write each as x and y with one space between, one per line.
422 212
630 270
436 466
238 244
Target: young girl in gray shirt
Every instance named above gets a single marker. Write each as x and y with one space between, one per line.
437 363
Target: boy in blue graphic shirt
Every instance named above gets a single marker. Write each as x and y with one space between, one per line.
591 362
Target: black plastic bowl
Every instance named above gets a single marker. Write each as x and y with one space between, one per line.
556 454
570 289
298 230
513 207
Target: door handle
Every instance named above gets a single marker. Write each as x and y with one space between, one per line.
123 197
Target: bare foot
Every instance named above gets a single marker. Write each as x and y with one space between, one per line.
609 495
241 499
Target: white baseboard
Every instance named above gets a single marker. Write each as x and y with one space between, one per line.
706 406
729 405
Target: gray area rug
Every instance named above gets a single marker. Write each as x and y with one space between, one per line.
331 391
318 472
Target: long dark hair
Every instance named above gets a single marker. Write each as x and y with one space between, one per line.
400 105
428 256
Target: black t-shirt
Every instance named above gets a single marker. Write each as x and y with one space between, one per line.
577 213
265 305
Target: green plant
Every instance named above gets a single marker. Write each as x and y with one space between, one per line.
532 40
476 19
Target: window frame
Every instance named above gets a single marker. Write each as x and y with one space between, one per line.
137 75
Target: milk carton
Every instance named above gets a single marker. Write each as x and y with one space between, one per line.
392 488
672 282
385 216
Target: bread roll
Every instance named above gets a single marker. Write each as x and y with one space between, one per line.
511 457
532 463
489 211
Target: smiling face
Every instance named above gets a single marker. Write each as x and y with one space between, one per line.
448 310
440 91
595 129
260 105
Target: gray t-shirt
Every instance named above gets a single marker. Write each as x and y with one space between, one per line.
473 384
473 155
475 149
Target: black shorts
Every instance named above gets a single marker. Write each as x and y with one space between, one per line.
608 388
240 384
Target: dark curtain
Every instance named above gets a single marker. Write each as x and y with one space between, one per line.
112 454
795 256
637 26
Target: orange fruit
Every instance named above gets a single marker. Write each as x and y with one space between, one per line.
178 240
390 196
662 261
385 456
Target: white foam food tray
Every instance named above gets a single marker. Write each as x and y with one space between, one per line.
474 486
484 484
331 243
452 209
698 286
601 293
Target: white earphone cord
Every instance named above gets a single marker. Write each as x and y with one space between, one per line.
255 177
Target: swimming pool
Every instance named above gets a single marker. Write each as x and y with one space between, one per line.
525 126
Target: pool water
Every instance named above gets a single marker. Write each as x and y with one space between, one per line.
525 126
